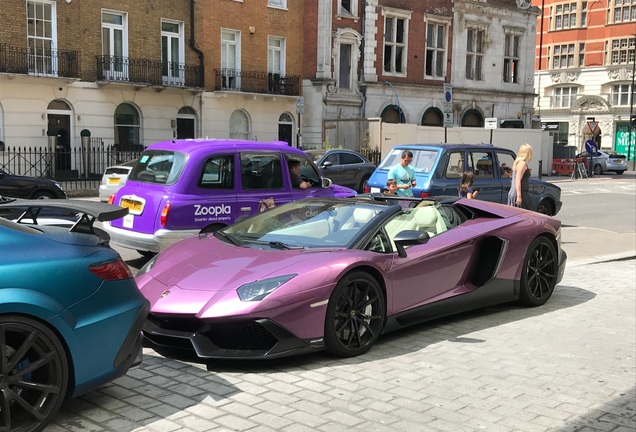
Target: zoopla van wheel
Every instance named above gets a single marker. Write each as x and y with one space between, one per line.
539 274
33 374
355 315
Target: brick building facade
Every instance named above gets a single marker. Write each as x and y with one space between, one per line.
134 72
585 62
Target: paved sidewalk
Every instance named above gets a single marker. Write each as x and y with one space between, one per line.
567 366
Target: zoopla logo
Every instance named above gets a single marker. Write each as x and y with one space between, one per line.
222 209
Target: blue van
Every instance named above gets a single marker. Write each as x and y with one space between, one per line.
439 167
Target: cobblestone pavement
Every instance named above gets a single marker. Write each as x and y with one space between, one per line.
567 366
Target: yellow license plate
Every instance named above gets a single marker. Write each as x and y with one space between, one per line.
131 205
113 181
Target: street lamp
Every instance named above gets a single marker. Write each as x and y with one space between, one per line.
400 116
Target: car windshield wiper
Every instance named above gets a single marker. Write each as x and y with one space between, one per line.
229 237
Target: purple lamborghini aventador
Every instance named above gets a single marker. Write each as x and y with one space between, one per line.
336 273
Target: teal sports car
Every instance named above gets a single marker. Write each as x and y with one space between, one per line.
70 311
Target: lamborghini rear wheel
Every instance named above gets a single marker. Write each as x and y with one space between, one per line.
539 274
355 315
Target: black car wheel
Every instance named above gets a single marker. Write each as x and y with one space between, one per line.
539 274
33 377
362 184
598 170
620 172
355 315
545 207
42 195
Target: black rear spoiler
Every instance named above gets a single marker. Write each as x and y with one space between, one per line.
87 212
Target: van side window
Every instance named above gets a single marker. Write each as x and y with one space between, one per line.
455 166
261 171
218 173
481 163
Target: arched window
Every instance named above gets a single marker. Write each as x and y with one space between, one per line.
127 125
392 114
472 118
240 125
433 117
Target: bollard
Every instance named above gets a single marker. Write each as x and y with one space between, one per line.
540 169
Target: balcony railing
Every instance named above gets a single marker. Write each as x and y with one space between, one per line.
39 62
256 82
152 72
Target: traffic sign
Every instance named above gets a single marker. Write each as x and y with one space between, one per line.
448 119
592 125
448 98
490 123
591 147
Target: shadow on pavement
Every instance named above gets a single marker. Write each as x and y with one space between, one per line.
400 342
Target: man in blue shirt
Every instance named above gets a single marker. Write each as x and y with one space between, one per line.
404 174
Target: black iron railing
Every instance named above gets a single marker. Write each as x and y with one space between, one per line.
256 82
152 72
39 61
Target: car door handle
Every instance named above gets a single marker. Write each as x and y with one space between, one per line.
246 209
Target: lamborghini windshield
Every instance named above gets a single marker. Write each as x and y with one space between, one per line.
304 223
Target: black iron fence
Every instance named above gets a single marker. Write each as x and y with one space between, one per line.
374 155
256 82
79 169
144 71
39 61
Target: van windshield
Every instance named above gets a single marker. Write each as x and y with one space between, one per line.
159 167
423 160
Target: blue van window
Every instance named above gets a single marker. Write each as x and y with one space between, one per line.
218 173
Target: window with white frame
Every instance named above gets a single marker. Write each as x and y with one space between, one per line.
115 45
41 38
395 43
622 51
344 67
563 97
276 55
346 51
240 125
436 47
623 11
275 64
620 94
127 125
570 15
475 53
348 7
511 58
172 52
277 3
230 59
563 56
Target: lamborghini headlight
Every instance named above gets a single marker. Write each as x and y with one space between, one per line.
258 290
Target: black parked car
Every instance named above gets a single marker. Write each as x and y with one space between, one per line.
344 167
17 186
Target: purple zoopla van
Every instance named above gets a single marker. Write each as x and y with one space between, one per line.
181 188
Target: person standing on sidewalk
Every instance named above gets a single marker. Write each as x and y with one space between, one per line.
404 174
519 195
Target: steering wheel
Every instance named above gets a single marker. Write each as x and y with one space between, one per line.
307 179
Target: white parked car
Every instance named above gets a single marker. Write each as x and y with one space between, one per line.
114 178
606 160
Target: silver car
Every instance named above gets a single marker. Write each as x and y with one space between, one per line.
114 178
605 160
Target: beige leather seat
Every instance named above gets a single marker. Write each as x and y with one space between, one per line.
426 220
